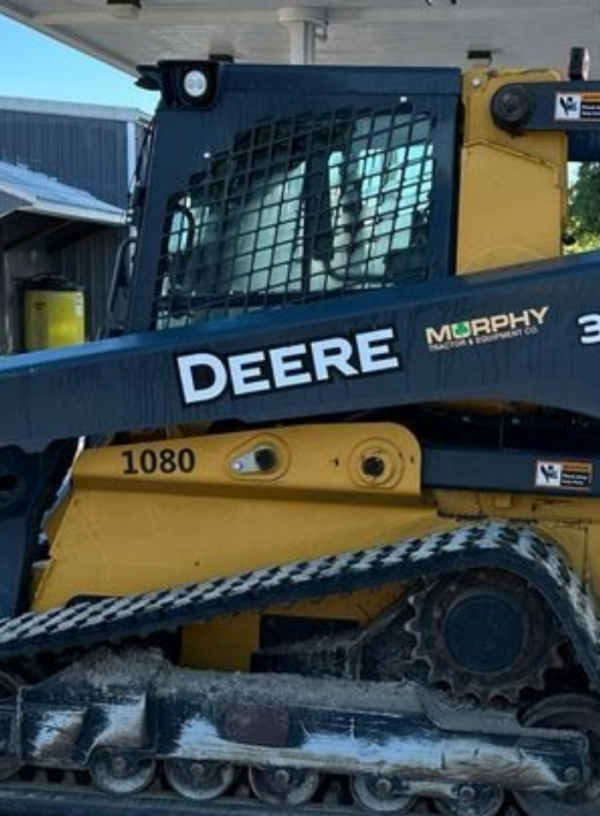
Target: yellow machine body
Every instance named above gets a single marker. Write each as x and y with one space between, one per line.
154 514
513 189
366 579
148 530
121 533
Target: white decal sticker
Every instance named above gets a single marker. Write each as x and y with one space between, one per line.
205 377
564 475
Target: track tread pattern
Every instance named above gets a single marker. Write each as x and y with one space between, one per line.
59 800
517 549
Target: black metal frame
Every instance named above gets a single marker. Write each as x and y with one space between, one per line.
187 138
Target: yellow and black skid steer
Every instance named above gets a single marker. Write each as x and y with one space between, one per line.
315 525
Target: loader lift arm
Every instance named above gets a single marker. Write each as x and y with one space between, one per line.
150 379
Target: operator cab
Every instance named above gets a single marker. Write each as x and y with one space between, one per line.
331 195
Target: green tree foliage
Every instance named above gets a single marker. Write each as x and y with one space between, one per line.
584 209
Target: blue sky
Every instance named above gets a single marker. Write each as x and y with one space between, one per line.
36 67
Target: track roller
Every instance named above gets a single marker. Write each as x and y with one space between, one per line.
200 780
381 794
473 800
120 773
283 786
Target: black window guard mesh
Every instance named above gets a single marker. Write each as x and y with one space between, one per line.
300 209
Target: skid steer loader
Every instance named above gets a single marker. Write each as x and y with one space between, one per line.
316 524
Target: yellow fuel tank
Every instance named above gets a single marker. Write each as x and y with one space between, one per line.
54 314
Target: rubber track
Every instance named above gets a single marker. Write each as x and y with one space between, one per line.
63 800
54 800
517 549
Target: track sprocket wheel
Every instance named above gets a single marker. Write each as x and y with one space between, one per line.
485 634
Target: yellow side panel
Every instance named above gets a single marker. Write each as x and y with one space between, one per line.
513 188
507 228
124 532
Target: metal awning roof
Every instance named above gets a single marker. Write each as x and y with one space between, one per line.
126 33
24 190
35 208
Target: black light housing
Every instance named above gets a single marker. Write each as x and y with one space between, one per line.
579 64
124 9
183 84
482 56
149 77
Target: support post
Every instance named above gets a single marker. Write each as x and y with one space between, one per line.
305 25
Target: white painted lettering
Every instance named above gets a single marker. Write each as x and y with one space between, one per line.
374 351
288 364
441 335
517 320
333 353
481 325
499 322
540 314
205 377
188 375
590 329
246 373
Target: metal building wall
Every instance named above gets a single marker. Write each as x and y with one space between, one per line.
88 262
88 147
85 152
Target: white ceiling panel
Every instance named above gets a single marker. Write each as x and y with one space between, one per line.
402 32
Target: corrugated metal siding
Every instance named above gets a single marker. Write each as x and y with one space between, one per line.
87 152
83 152
89 263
